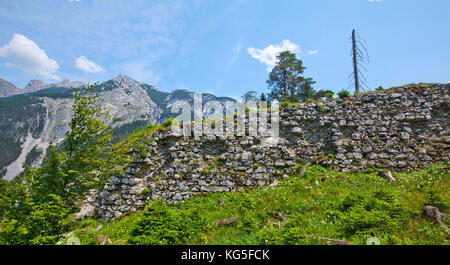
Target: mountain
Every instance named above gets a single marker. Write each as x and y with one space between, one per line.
38 116
36 85
33 86
8 89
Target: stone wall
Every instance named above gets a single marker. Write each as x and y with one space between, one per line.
398 129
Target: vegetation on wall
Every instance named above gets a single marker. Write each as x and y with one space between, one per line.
36 208
304 209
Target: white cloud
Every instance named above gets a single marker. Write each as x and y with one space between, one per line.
236 52
313 52
26 55
269 54
84 64
74 0
374 0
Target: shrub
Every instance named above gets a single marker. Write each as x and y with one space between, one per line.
285 104
269 235
45 222
329 94
435 198
161 225
294 230
369 212
248 223
167 123
248 203
343 93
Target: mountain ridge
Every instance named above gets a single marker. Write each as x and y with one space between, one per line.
32 121
8 89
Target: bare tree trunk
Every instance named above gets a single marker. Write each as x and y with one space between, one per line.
355 63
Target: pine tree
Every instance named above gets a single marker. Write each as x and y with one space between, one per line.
263 97
286 80
250 96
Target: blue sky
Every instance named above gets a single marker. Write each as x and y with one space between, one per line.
221 46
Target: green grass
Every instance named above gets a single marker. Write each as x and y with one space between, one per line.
321 203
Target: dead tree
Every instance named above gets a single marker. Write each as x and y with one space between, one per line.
360 56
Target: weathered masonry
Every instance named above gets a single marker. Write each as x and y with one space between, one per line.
398 129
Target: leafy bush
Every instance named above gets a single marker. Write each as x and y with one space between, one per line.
248 223
140 139
294 230
43 224
161 225
371 212
285 104
329 94
167 123
248 203
269 235
343 93
435 198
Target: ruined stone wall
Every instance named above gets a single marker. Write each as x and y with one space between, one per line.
398 129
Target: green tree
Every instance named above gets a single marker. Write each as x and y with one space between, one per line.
286 80
323 94
250 96
89 158
25 220
36 208
263 97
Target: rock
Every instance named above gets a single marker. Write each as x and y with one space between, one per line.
178 197
274 184
246 156
271 223
280 163
331 240
98 228
387 175
302 170
372 156
297 130
434 213
229 221
103 239
357 156
404 136
279 216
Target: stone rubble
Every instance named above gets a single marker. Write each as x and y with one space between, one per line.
398 129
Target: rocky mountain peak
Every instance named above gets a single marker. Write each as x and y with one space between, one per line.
126 80
33 86
69 84
8 89
36 85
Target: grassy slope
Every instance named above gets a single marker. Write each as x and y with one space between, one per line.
325 203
